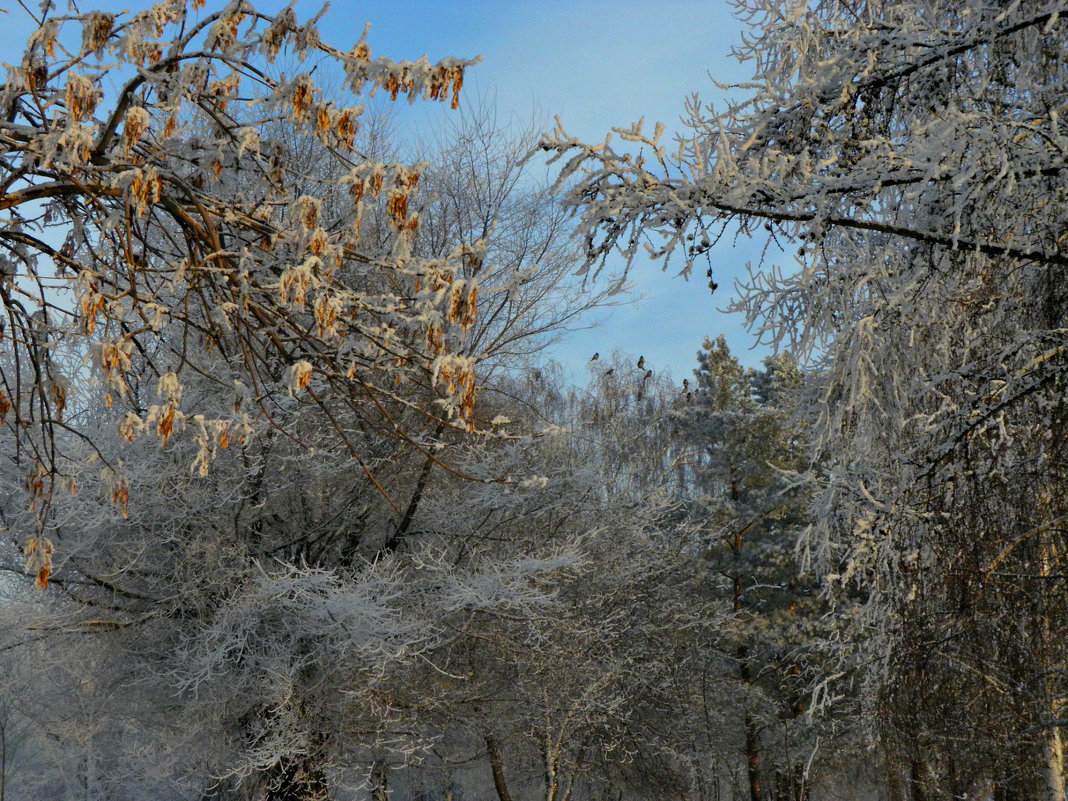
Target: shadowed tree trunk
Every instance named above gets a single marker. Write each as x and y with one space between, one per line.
379 781
497 766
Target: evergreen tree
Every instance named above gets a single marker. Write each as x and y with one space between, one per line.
741 427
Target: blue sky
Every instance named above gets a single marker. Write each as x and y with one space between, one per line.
596 64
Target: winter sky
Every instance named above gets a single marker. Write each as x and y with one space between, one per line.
595 64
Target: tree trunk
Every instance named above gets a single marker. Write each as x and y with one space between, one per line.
1053 747
790 784
916 783
752 756
379 781
752 738
497 766
405 522
1054 761
552 779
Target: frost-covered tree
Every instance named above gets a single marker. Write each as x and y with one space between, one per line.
248 629
13 731
739 430
266 309
475 188
591 695
159 228
913 153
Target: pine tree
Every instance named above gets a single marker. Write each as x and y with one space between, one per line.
742 430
